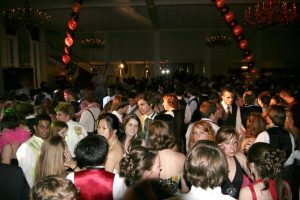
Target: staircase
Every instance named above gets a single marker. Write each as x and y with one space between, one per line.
78 67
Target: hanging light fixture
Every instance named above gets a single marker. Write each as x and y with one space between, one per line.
31 18
93 42
271 13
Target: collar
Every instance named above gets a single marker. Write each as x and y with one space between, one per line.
225 105
151 116
34 137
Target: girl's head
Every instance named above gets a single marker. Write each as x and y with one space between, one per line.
51 159
132 125
201 130
227 138
108 125
255 124
58 128
170 101
140 163
267 161
160 135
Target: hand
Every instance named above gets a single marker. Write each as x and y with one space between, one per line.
69 162
247 146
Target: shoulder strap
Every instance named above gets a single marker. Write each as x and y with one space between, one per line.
252 192
93 118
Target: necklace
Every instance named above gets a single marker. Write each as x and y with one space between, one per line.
112 144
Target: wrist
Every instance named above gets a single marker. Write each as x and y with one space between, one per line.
76 166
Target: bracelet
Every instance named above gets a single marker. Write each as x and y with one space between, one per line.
74 167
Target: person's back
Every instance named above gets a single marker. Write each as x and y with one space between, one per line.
205 168
94 182
13 184
265 163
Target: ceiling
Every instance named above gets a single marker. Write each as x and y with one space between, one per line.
136 15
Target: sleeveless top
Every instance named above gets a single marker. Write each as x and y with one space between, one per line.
272 189
233 187
13 161
94 184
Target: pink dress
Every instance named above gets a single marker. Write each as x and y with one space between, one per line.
11 136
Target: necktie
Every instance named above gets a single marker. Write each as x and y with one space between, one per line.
147 123
228 110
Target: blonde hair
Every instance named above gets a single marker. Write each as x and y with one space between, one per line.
205 126
57 126
51 159
54 188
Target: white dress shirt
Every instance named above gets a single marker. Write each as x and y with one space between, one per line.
107 99
27 155
189 110
238 121
72 137
197 193
264 137
87 120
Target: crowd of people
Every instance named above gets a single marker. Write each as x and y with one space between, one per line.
216 139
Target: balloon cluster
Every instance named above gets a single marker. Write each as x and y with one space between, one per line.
72 25
237 31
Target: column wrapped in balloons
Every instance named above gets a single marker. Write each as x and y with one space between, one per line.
237 31
70 32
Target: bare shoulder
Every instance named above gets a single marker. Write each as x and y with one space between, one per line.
171 154
245 193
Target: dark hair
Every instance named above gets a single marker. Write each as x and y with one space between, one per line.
269 163
10 119
113 123
265 97
205 165
207 108
226 133
135 163
161 137
277 114
295 110
41 117
249 97
255 124
91 151
54 188
148 97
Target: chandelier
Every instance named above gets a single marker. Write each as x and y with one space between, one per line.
271 13
218 40
31 18
93 42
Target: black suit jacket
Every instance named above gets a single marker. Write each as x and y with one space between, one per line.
13 184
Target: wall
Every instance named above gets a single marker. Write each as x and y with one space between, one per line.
271 49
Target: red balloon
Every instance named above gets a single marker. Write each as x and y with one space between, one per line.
237 30
66 59
220 3
76 7
249 58
72 24
69 41
243 44
229 16
67 50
